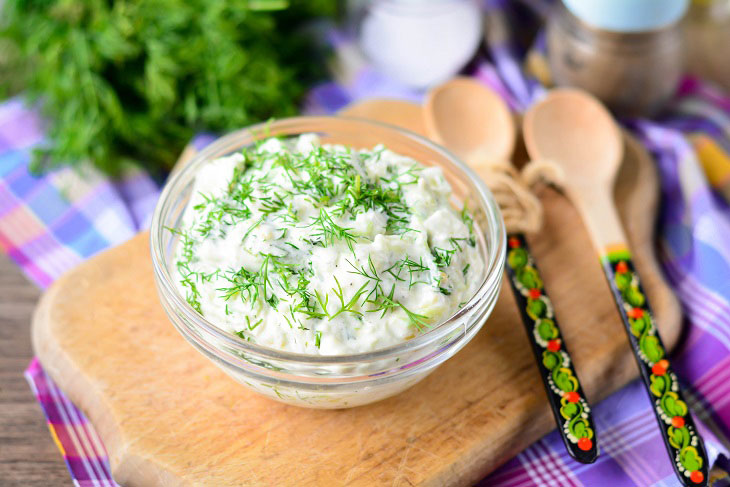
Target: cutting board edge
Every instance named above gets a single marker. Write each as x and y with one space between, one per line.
127 466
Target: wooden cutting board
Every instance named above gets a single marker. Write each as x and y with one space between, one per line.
170 417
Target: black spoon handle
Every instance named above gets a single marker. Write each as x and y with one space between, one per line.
684 444
570 407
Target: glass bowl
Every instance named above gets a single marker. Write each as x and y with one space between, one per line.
337 381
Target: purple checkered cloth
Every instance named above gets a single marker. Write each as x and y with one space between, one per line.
51 223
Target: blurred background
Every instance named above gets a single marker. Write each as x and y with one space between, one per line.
131 82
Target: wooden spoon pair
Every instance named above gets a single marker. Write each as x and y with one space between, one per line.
475 124
573 130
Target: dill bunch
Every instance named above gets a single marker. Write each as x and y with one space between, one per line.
131 81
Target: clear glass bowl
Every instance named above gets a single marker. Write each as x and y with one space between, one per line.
338 381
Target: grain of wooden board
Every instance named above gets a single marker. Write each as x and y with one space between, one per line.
169 417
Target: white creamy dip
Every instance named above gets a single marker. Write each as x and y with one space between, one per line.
323 249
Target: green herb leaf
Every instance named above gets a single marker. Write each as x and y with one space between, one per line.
129 81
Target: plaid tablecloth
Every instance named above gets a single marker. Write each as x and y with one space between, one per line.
49 224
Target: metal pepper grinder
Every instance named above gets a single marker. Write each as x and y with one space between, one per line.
628 53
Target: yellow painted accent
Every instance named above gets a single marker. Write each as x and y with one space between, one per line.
615 249
714 160
56 440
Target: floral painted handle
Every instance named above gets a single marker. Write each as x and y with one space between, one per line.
684 444
570 408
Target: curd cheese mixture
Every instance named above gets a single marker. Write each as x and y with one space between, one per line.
324 249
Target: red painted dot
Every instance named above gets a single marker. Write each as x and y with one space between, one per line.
585 444
636 313
622 267
678 422
571 396
514 243
697 477
553 345
660 368
534 293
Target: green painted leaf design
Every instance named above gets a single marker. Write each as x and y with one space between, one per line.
561 380
690 459
517 258
678 437
651 347
622 280
565 380
660 381
639 325
529 278
635 297
551 360
673 405
580 428
570 410
660 384
536 308
546 329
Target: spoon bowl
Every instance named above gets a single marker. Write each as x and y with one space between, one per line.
471 120
574 130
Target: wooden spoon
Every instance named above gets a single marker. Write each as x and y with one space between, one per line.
574 130
472 121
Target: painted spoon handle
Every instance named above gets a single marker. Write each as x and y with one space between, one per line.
570 407
684 444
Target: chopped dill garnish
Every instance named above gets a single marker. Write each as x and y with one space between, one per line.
251 228
420 321
329 232
347 307
295 206
317 338
469 222
250 326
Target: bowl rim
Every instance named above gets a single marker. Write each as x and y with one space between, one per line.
494 260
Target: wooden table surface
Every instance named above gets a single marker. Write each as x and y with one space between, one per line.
28 456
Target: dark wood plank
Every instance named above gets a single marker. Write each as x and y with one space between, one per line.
28 456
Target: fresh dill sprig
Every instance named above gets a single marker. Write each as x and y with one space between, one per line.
382 302
130 81
330 232
419 320
251 228
347 307
253 327
469 222
317 338
323 302
442 256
